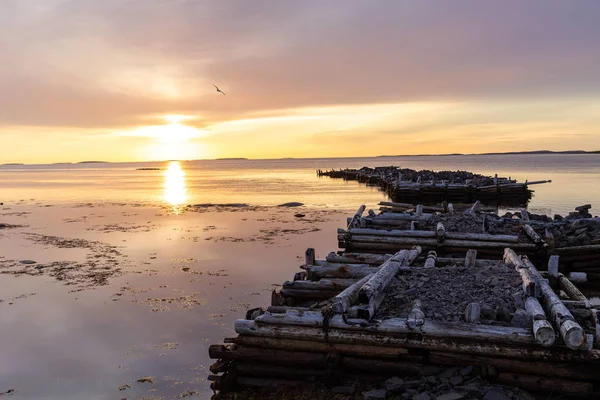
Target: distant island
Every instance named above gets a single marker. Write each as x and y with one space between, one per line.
93 162
231 159
534 152
13 164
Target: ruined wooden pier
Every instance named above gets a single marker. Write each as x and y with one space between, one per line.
409 293
407 185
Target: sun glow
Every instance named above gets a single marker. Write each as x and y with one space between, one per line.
175 188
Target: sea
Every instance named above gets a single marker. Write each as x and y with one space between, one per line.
575 180
111 287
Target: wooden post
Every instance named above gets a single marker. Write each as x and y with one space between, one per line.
413 225
416 317
524 214
450 208
431 259
372 213
553 270
419 211
356 217
440 232
549 238
309 256
445 206
470 258
473 313
578 277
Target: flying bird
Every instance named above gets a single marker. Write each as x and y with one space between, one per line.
219 90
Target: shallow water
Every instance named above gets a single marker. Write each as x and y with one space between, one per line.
185 276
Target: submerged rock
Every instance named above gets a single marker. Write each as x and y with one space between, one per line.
291 204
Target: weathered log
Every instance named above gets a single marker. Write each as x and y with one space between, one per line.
367 311
578 277
323 284
406 206
571 290
484 333
549 238
524 214
316 346
571 332
355 219
472 312
309 256
272 356
433 242
471 345
533 236
545 385
385 367
309 294
431 259
416 317
356 258
534 308
440 230
344 271
349 296
530 285
380 280
443 261
592 248
470 258
371 213
543 332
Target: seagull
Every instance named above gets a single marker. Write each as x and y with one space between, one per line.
219 90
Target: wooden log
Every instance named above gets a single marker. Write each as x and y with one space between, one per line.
545 385
349 296
472 312
571 290
486 333
431 259
367 311
440 231
348 271
596 323
355 219
571 332
592 248
443 261
419 210
530 285
433 242
385 367
309 256
407 206
380 280
543 332
534 308
356 258
316 346
272 356
533 235
471 345
323 284
470 258
416 317
524 214
372 213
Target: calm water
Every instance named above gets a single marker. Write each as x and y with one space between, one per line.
61 341
575 180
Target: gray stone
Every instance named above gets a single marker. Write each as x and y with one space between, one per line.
448 373
379 394
456 380
431 380
450 396
521 319
466 370
495 394
344 389
422 396
502 312
394 384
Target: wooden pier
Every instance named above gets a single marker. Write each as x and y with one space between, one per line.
407 185
412 293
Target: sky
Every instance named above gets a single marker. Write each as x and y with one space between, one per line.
132 80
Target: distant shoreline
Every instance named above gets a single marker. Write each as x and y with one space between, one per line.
535 152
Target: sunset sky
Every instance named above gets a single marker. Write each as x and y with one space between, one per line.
129 80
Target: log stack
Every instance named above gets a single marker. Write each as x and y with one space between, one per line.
343 334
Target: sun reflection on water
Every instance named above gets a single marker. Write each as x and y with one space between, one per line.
175 187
